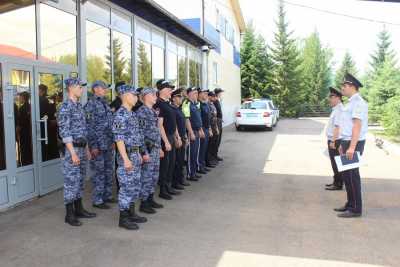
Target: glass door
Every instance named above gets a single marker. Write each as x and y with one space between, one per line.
49 91
21 147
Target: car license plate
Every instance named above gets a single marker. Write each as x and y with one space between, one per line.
252 115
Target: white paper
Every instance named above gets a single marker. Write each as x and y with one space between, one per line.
350 166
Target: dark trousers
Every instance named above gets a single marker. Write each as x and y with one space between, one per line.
179 164
352 181
220 134
193 155
167 164
212 149
337 176
203 150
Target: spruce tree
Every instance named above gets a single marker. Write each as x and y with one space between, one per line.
286 72
247 67
347 66
316 70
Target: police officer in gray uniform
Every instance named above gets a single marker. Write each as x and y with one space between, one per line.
148 119
334 136
354 132
130 144
73 132
101 144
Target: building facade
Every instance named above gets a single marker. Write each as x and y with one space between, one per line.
45 41
221 22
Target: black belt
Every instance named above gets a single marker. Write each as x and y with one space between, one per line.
79 144
133 149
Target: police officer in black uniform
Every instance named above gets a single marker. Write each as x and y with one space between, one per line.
169 138
218 93
179 179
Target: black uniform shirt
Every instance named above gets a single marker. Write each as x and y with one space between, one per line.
165 110
180 121
217 105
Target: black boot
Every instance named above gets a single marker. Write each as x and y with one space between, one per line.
134 217
154 204
126 222
164 193
146 207
80 212
70 217
171 191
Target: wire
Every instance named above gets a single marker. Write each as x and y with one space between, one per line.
341 14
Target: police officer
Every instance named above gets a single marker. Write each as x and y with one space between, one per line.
130 144
354 131
217 102
179 179
211 160
194 127
148 120
169 138
334 136
206 127
73 132
115 105
101 144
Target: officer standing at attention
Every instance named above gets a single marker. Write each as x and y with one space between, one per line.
169 138
211 160
206 127
130 144
101 144
148 120
194 127
73 131
334 136
354 132
218 93
179 179
115 105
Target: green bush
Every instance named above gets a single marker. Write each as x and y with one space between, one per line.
391 116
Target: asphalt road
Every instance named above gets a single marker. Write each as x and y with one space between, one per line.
265 205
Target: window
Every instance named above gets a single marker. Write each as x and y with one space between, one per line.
58 35
122 57
21 82
157 64
121 22
194 68
98 53
215 73
172 67
18 29
143 63
182 66
2 144
50 90
97 12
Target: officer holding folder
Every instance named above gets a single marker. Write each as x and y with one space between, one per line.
354 128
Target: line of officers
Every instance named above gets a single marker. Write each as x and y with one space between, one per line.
346 132
162 136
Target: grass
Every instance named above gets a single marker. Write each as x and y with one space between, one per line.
385 135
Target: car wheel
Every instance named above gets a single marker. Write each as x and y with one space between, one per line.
269 129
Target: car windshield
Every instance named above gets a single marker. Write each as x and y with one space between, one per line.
255 105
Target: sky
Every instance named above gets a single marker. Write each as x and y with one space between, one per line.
341 33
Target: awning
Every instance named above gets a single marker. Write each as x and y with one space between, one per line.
157 15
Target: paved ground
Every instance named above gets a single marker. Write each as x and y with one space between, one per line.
265 206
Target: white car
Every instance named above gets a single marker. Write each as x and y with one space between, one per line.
259 112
